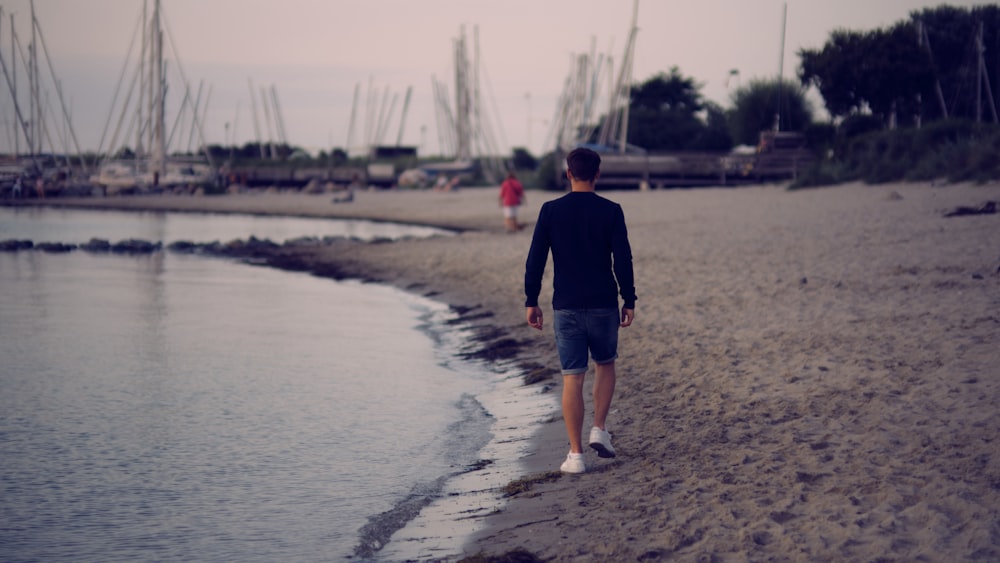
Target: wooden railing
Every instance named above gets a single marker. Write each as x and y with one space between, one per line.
663 170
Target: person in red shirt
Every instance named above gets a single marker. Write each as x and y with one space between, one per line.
511 197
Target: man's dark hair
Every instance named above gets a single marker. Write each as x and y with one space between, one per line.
583 164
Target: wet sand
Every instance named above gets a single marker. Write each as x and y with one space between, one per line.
812 375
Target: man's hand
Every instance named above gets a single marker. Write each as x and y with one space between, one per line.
628 315
534 316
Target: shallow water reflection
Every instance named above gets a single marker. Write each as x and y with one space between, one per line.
172 407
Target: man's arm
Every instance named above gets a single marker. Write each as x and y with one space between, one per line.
621 252
538 255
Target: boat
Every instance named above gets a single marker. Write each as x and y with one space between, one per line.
152 169
121 176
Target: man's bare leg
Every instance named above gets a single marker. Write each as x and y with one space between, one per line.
573 407
604 390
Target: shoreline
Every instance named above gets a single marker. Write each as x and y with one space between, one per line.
470 495
811 374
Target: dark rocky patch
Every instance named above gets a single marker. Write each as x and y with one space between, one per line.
55 247
135 246
13 245
988 208
96 245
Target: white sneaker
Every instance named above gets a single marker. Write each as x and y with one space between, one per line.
573 464
600 440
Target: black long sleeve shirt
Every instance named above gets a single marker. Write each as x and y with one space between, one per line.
591 254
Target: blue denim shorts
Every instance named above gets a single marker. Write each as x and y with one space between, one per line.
581 330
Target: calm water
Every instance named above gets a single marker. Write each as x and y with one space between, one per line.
172 407
77 226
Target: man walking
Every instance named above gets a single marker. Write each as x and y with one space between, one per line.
592 259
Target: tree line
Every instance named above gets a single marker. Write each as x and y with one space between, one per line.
896 97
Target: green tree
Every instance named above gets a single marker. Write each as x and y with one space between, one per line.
663 114
882 71
338 157
835 71
716 135
953 56
250 150
756 105
521 159
549 174
897 75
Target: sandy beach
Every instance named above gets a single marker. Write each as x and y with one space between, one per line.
812 375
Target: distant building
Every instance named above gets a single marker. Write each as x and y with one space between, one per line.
392 152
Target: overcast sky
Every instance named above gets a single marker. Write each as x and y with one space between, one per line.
314 53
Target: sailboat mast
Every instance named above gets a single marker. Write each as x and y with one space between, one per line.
984 79
36 110
139 107
279 119
11 80
354 113
463 150
626 86
402 119
256 121
159 131
924 40
13 90
267 121
781 68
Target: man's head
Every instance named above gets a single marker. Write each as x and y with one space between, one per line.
583 164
